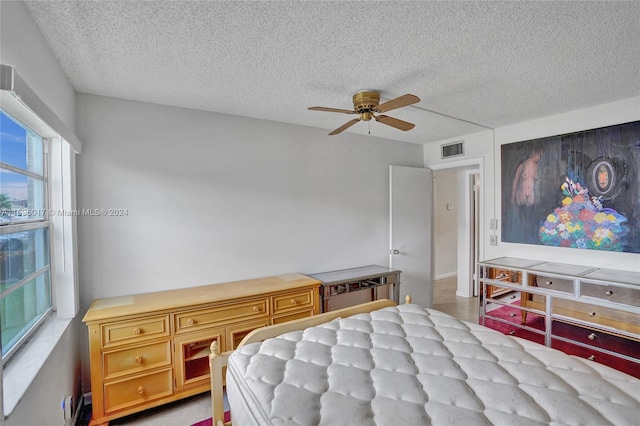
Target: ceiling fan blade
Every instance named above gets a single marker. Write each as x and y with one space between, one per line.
318 108
400 102
345 126
394 122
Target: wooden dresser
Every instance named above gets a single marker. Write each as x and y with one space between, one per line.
150 349
585 311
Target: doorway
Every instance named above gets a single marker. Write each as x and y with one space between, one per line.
456 211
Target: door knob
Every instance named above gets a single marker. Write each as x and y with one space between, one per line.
394 251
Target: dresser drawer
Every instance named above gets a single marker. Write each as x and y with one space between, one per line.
197 319
552 283
630 367
137 390
493 291
624 295
292 316
292 301
514 330
597 338
514 314
506 275
139 330
136 359
509 313
598 315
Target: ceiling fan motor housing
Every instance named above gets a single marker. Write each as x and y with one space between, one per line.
365 103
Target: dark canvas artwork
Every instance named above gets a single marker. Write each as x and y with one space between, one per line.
579 190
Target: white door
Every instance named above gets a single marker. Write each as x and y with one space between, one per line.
410 231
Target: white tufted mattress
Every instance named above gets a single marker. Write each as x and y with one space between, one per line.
407 365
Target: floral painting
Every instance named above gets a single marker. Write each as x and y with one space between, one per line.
582 222
578 190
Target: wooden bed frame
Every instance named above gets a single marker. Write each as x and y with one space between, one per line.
218 360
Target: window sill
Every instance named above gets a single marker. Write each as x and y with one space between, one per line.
20 372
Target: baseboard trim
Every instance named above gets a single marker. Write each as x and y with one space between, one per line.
447 275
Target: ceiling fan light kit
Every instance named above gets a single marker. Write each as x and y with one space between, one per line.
366 103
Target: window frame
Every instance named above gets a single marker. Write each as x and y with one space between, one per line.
29 225
20 101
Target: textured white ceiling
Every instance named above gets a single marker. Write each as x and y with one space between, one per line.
491 63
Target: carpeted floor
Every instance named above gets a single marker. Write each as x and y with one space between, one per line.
184 412
209 421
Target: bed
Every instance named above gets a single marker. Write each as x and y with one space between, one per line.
382 364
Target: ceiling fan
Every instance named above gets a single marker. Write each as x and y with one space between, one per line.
366 103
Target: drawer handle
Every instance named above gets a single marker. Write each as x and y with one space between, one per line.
138 359
512 332
592 313
294 302
591 358
137 331
190 321
549 283
256 309
592 336
140 390
609 293
513 314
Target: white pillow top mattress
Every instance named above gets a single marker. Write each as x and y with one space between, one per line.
408 365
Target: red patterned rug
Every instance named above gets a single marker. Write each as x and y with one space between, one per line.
209 422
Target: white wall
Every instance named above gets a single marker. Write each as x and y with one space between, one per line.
22 46
478 156
213 198
445 191
59 377
605 115
482 145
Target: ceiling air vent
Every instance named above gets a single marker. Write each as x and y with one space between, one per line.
452 149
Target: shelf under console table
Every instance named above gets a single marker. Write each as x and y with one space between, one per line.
150 349
349 287
584 311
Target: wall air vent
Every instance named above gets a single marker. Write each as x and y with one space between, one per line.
453 149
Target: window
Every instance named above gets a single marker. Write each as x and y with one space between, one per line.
38 255
25 270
